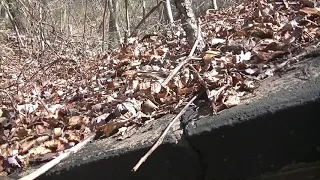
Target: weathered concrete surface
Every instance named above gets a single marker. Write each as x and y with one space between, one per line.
276 128
112 159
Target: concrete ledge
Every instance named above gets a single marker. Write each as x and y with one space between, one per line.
112 159
279 129
276 128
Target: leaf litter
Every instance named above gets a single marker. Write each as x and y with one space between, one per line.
51 101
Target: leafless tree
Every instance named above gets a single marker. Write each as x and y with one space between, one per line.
214 4
127 31
189 22
103 23
84 25
114 34
169 11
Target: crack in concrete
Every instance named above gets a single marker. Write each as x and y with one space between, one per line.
203 165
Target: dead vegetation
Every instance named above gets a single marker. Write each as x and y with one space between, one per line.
49 102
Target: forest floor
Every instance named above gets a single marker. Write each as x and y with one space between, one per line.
52 100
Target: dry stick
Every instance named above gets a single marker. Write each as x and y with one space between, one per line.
163 135
43 169
182 63
160 140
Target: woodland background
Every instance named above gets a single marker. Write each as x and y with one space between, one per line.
93 25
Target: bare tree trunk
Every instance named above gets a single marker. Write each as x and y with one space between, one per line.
189 22
84 26
103 23
3 11
127 31
69 25
143 8
214 4
114 34
169 11
63 18
41 18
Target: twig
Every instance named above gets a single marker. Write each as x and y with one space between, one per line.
44 105
133 33
182 63
202 82
12 102
161 138
43 169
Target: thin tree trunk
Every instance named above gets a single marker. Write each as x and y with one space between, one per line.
169 11
214 4
84 26
69 25
114 35
189 22
127 23
143 8
41 35
103 23
161 19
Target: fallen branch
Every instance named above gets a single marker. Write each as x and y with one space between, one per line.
175 71
163 135
184 62
43 169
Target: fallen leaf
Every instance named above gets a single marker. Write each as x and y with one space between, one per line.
75 121
148 106
312 11
57 132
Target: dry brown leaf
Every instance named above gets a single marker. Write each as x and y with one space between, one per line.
75 121
52 144
148 106
208 55
39 150
112 127
40 129
311 11
42 139
22 132
26 146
